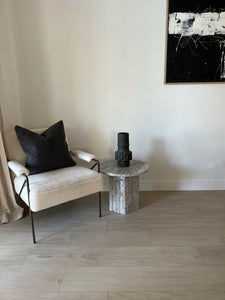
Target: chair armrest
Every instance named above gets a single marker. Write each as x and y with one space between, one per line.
18 168
82 155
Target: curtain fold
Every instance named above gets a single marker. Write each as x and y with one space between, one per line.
9 209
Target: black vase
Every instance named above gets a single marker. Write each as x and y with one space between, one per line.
123 155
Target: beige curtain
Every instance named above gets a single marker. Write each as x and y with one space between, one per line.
9 209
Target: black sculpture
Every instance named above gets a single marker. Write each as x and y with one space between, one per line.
123 155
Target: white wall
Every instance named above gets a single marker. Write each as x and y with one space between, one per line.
99 66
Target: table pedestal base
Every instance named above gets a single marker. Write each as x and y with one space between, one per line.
123 194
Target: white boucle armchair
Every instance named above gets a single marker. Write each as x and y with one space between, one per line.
48 189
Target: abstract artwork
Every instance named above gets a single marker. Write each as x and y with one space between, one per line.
196 41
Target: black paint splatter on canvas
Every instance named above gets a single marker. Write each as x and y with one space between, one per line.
196 41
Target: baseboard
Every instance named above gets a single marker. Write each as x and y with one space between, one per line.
181 185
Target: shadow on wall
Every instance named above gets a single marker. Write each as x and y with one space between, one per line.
32 64
165 175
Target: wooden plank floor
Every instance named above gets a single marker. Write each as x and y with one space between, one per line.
173 247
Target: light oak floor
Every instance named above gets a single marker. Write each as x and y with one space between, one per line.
173 247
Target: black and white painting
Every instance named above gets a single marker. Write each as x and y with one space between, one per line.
196 41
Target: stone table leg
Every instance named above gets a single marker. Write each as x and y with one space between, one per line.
123 194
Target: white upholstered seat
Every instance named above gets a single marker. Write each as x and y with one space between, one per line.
58 186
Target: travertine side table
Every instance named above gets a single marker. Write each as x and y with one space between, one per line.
124 185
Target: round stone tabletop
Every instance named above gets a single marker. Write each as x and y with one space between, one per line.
136 168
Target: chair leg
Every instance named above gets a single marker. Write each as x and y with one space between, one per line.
32 226
31 213
100 204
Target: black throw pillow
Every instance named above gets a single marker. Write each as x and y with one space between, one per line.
46 151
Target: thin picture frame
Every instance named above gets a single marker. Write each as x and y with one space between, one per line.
195 51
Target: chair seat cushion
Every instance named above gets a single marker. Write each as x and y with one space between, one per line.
58 186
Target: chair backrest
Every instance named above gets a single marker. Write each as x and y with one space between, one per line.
13 148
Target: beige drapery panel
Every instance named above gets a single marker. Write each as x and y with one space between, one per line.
9 209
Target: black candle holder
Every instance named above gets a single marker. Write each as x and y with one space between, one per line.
123 155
